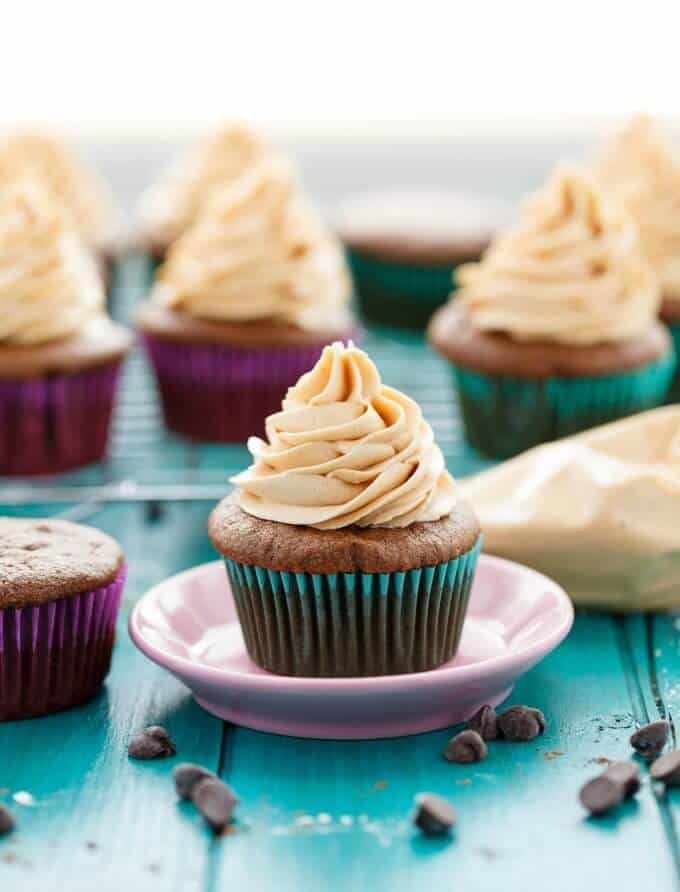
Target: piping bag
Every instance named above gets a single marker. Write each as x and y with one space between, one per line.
598 512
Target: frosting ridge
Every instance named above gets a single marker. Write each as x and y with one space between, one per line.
259 251
570 272
346 450
49 285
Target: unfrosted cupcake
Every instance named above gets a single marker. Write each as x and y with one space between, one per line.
404 244
59 353
348 549
556 329
173 204
244 304
642 170
69 184
60 590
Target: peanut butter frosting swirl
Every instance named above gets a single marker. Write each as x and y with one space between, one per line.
36 155
346 450
642 170
259 251
171 206
570 272
49 285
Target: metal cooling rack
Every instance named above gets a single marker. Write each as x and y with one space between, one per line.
147 464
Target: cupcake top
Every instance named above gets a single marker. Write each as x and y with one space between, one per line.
68 183
49 285
346 450
571 271
642 170
170 207
258 252
421 225
42 560
597 511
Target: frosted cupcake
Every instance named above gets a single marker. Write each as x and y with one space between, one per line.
244 304
556 329
69 184
348 549
59 353
171 206
642 170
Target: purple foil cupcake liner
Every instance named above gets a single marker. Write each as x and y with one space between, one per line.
216 392
56 655
55 422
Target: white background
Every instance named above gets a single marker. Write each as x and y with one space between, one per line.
338 67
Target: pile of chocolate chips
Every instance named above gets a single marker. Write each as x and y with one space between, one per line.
517 723
620 780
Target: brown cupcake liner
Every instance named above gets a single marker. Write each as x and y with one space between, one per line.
353 624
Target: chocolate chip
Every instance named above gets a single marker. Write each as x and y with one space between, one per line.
521 723
215 800
6 820
484 722
649 740
626 774
667 769
153 742
600 794
467 746
434 815
186 776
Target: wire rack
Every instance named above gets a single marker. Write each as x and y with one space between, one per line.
147 464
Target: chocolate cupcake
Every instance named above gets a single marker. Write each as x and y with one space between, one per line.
59 353
244 304
70 185
404 245
347 547
173 205
60 589
641 169
556 329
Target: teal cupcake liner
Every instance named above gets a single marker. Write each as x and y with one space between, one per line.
353 624
398 293
504 416
674 392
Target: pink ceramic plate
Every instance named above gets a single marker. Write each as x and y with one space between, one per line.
188 625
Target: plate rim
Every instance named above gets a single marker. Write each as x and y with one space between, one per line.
185 667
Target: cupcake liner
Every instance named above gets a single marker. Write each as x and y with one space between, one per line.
215 392
57 654
353 624
504 416
56 422
398 293
674 392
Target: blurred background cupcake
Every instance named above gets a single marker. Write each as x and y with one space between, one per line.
59 353
70 185
556 329
348 548
641 168
404 244
173 204
244 303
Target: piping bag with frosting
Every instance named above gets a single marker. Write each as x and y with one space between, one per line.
598 512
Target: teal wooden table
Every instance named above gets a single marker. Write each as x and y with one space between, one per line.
318 814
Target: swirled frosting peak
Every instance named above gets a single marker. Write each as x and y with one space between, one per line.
259 251
171 206
642 170
36 155
346 450
570 272
49 286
